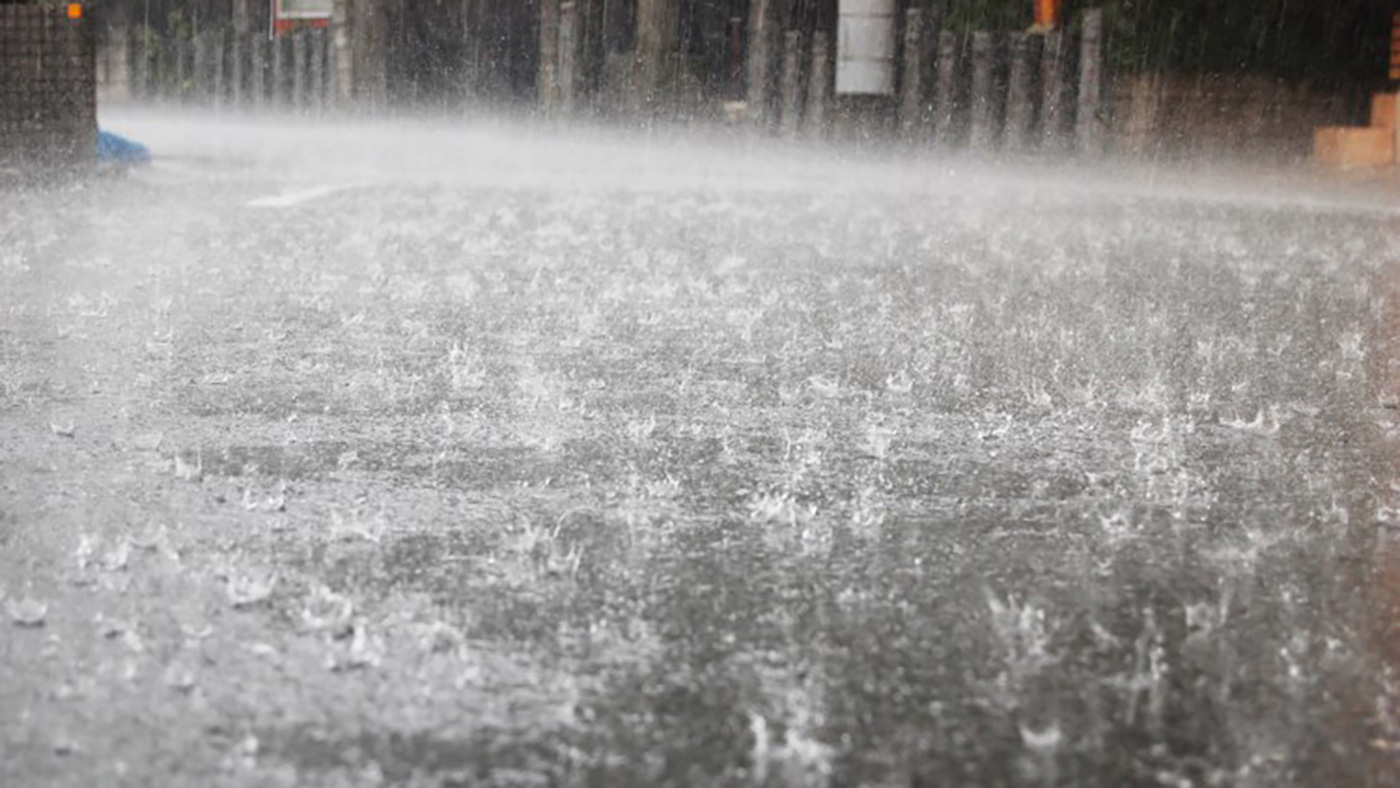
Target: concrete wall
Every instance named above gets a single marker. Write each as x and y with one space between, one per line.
48 98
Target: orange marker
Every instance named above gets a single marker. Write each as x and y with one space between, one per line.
75 10
1395 48
1047 14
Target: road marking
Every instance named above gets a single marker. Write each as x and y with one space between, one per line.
288 199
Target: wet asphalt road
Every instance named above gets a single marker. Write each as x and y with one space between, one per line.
419 455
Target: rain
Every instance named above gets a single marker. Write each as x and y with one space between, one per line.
761 393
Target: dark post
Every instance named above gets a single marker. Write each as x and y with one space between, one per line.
1090 118
257 71
239 14
142 53
369 28
759 53
237 70
341 55
819 84
656 45
1020 107
182 73
946 87
1144 106
300 69
317 76
217 73
792 83
548 80
1054 78
200 74
471 50
238 52
911 85
982 130
568 54
277 91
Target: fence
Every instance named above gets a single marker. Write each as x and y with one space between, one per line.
221 68
48 104
985 90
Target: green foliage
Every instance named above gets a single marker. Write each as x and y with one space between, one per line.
1298 40
1343 41
986 14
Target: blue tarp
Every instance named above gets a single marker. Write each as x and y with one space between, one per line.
118 150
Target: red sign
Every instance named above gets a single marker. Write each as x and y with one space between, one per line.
289 15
